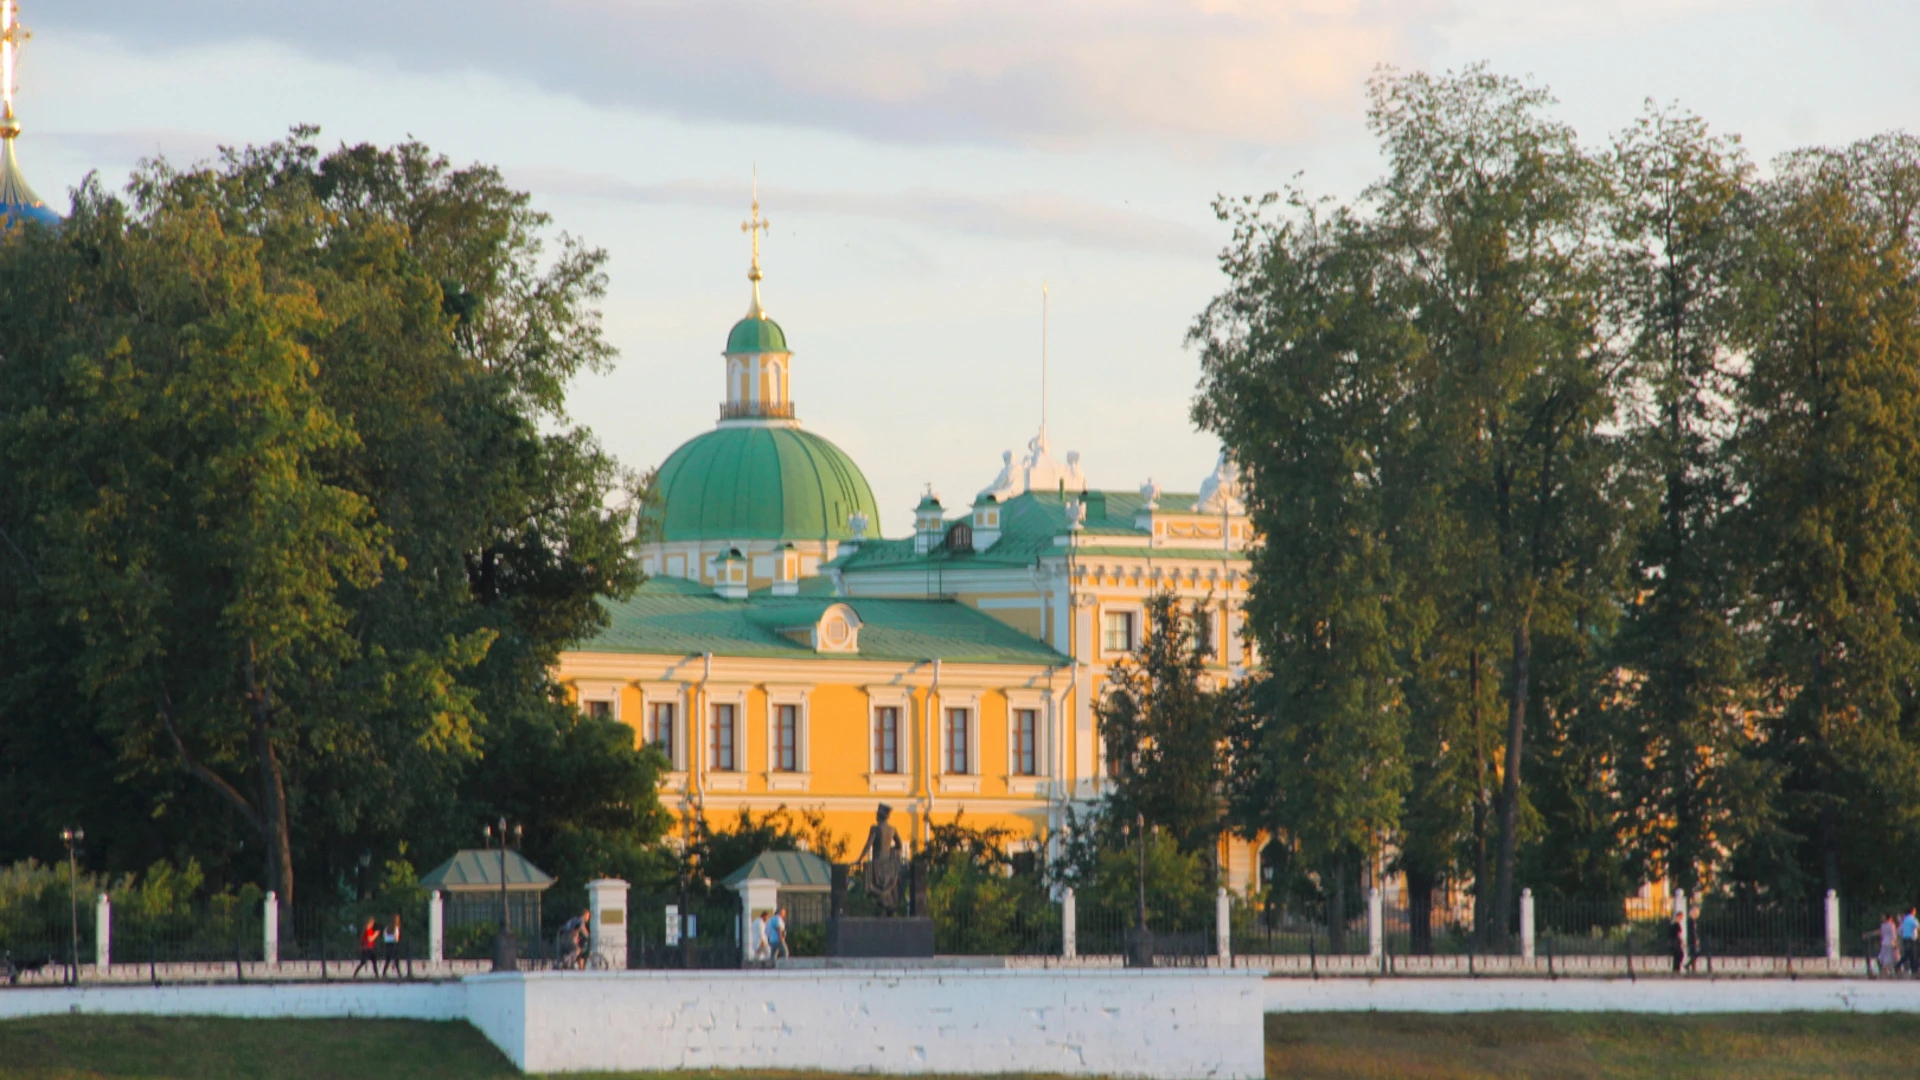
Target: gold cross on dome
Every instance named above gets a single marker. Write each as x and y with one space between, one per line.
12 36
754 226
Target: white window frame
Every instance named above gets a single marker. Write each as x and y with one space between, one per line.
964 783
798 778
890 697
734 779
586 692
673 694
1136 612
1036 700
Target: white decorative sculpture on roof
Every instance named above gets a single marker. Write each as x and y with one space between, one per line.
1150 495
1222 493
1037 471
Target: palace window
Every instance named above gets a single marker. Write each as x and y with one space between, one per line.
599 710
786 738
720 758
959 741
1026 742
660 728
1117 632
886 739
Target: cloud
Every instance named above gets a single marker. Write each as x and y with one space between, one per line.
1069 73
1019 216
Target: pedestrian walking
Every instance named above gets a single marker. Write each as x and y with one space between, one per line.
390 942
369 945
1909 929
777 934
1888 956
1677 940
757 948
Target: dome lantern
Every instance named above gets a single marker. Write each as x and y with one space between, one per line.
758 387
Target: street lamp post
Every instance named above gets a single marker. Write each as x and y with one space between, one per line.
72 838
504 952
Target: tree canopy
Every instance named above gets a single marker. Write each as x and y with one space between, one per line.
295 523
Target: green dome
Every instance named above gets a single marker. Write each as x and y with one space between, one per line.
761 483
756 334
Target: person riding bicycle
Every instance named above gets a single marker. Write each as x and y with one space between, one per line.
573 940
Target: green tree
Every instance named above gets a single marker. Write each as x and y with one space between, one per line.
359 358
1489 213
1828 456
1304 363
166 454
1161 727
1691 789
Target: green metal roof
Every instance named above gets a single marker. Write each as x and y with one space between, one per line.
756 334
761 483
1029 522
799 870
677 617
473 870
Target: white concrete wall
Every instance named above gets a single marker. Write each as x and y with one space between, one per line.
405 1001
1171 1024
1667 995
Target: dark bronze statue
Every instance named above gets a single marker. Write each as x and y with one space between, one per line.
881 853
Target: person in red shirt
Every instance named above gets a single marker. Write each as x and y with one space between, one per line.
369 946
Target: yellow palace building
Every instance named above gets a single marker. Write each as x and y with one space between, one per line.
783 653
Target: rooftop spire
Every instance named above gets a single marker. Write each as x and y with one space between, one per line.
12 36
17 200
753 227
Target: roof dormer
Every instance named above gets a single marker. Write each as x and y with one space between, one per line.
837 630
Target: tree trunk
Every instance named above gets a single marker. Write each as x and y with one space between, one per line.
1337 907
1482 880
1510 781
1420 886
274 825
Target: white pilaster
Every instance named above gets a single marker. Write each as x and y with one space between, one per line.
1526 924
1069 925
436 928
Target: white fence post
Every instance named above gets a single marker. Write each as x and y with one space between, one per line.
607 901
1526 924
1376 928
436 929
1685 916
1833 927
270 930
1223 920
1069 925
103 934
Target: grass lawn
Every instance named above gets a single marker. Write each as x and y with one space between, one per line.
1358 1046
1349 1046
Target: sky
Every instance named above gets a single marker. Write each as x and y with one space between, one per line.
927 165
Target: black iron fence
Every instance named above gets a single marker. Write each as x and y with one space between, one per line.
237 938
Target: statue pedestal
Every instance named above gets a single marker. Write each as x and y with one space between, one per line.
906 936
